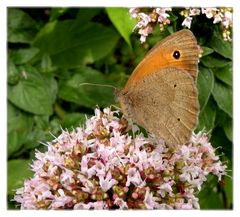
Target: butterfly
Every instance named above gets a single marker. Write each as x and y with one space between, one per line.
161 93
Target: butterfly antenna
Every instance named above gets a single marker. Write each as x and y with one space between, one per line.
116 107
100 85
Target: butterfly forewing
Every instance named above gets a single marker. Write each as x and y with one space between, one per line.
162 55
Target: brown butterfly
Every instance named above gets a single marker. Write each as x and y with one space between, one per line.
161 93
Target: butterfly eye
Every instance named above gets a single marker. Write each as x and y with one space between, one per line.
176 54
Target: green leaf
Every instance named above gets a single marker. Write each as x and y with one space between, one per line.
209 198
21 27
71 45
54 125
172 18
24 55
225 122
19 126
57 12
228 129
85 15
228 188
72 120
34 93
18 171
39 133
86 95
214 60
220 46
223 95
206 51
46 64
207 117
156 36
224 73
122 21
219 139
35 138
41 121
13 73
205 83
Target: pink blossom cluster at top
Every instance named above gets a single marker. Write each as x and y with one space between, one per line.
101 166
148 18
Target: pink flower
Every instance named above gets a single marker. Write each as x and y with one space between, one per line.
219 170
185 152
121 203
192 201
99 205
60 201
148 18
82 206
87 184
94 205
99 168
66 178
144 20
134 12
54 157
155 160
150 201
166 188
84 165
65 141
134 177
187 22
209 12
139 159
200 138
144 32
194 11
218 18
102 167
186 206
227 19
107 182
163 15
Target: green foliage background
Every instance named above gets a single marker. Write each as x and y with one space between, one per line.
53 50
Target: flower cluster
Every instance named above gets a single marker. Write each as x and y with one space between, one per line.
101 166
219 15
148 18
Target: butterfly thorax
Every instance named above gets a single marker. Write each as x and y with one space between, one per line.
122 97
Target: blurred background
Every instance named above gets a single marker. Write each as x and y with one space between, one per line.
51 51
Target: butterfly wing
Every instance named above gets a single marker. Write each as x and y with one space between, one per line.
162 56
165 104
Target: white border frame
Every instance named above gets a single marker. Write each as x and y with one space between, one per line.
120 3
